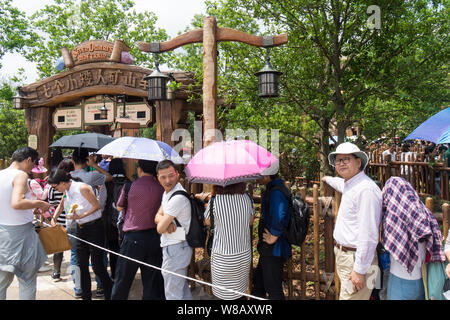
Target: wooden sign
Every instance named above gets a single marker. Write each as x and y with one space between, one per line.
68 118
92 113
140 112
92 51
32 141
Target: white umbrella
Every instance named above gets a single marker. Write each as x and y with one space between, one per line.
141 148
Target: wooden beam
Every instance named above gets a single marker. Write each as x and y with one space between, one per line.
222 34
209 79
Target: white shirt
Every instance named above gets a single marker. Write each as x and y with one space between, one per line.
73 195
400 271
359 217
179 207
386 154
8 215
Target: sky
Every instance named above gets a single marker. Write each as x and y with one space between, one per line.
173 16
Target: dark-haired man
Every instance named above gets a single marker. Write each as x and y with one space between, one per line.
176 251
21 251
141 240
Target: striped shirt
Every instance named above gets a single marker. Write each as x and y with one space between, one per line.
232 213
54 198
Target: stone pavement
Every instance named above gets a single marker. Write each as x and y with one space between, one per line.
47 289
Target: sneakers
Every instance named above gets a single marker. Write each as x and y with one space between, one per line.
56 277
99 293
78 295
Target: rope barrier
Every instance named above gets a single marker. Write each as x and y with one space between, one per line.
163 270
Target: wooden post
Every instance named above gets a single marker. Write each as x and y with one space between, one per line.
445 219
39 122
429 203
209 79
303 257
316 241
337 203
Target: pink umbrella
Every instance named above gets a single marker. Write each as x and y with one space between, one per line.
228 162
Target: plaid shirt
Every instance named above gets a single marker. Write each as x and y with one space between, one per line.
405 221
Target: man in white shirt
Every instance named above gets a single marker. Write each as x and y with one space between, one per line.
389 153
356 231
173 220
21 251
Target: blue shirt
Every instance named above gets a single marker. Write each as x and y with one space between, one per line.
277 218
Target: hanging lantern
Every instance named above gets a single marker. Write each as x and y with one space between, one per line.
157 83
18 101
268 80
103 110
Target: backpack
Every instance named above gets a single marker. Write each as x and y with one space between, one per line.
299 217
196 236
117 186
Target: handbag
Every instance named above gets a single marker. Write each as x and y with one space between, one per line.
54 239
434 280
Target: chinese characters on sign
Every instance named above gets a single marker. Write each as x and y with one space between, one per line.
92 77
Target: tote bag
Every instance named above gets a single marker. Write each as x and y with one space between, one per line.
54 239
434 279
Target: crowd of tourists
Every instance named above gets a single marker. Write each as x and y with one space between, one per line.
148 219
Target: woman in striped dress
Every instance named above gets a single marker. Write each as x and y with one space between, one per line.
231 253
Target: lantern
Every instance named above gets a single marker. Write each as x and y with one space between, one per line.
157 83
268 80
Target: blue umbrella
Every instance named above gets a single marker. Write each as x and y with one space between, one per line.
435 129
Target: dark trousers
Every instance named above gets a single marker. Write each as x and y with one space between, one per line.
93 232
57 261
143 246
268 277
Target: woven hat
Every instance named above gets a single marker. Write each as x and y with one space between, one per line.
349 148
40 167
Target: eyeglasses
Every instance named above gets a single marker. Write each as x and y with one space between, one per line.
344 160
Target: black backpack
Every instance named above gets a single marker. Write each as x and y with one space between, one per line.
299 217
196 236
117 186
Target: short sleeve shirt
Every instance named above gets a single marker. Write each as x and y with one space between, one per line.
180 208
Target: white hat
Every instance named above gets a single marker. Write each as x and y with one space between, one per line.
349 148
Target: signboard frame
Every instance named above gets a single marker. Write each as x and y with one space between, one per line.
110 105
119 111
78 107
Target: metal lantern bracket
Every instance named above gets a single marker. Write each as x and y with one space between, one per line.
157 83
104 110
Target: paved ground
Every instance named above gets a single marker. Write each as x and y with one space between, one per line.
63 290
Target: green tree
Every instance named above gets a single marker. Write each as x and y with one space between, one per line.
338 70
67 24
13 133
15 33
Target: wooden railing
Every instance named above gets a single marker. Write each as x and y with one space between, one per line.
312 265
427 178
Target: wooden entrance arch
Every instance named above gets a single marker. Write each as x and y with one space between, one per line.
86 79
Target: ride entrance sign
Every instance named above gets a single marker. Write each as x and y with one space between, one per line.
68 118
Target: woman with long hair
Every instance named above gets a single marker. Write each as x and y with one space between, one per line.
86 214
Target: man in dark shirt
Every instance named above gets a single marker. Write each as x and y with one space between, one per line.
141 240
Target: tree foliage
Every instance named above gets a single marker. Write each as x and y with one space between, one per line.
15 33
66 23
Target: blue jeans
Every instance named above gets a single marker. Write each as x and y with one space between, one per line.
176 258
74 268
402 289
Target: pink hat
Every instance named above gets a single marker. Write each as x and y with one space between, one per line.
40 167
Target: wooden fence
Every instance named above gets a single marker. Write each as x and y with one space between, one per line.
310 273
423 174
